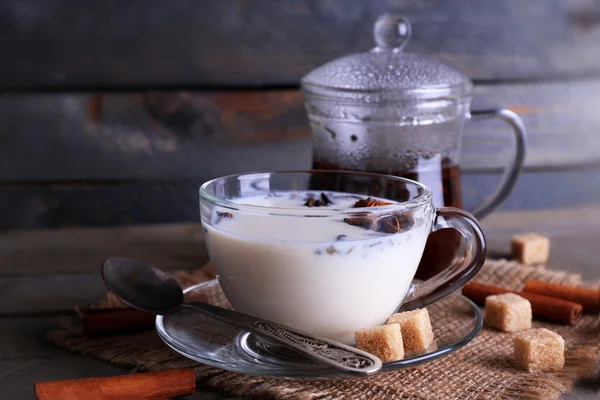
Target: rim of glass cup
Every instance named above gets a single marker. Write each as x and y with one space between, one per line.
422 199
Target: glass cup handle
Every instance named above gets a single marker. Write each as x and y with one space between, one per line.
462 270
512 171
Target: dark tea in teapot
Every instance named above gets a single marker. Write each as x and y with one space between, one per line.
391 112
427 153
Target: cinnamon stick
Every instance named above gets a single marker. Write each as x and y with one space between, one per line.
588 298
110 321
542 307
153 385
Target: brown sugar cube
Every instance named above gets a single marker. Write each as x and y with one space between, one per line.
415 327
531 248
508 312
539 350
383 341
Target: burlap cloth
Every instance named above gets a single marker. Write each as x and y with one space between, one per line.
483 369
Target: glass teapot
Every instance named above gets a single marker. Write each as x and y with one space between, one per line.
400 113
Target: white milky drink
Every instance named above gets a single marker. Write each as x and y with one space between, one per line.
317 274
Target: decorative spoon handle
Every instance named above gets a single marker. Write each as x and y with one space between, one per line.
337 355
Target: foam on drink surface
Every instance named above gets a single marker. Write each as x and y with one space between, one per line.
318 274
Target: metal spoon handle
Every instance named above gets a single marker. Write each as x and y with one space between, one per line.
337 355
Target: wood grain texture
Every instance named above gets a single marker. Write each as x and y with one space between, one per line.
55 137
56 206
72 205
49 293
77 250
201 135
60 43
561 119
24 338
537 190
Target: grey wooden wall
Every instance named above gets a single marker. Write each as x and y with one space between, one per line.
114 112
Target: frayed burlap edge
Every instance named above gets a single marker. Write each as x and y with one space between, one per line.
484 369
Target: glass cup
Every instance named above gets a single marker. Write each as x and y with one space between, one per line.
333 269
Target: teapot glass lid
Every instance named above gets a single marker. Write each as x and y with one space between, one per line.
386 72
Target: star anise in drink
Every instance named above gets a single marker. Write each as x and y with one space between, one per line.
388 223
311 202
323 201
369 202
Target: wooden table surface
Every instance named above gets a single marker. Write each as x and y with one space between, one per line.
46 273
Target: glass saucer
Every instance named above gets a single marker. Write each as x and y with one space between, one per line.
455 321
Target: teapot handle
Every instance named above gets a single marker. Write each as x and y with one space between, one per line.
512 171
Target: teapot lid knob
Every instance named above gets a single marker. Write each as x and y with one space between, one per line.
391 32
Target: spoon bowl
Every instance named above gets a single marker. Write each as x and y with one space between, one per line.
141 286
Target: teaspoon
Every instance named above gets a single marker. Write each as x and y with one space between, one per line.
153 291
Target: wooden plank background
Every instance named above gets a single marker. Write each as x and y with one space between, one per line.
175 134
64 43
101 204
115 112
